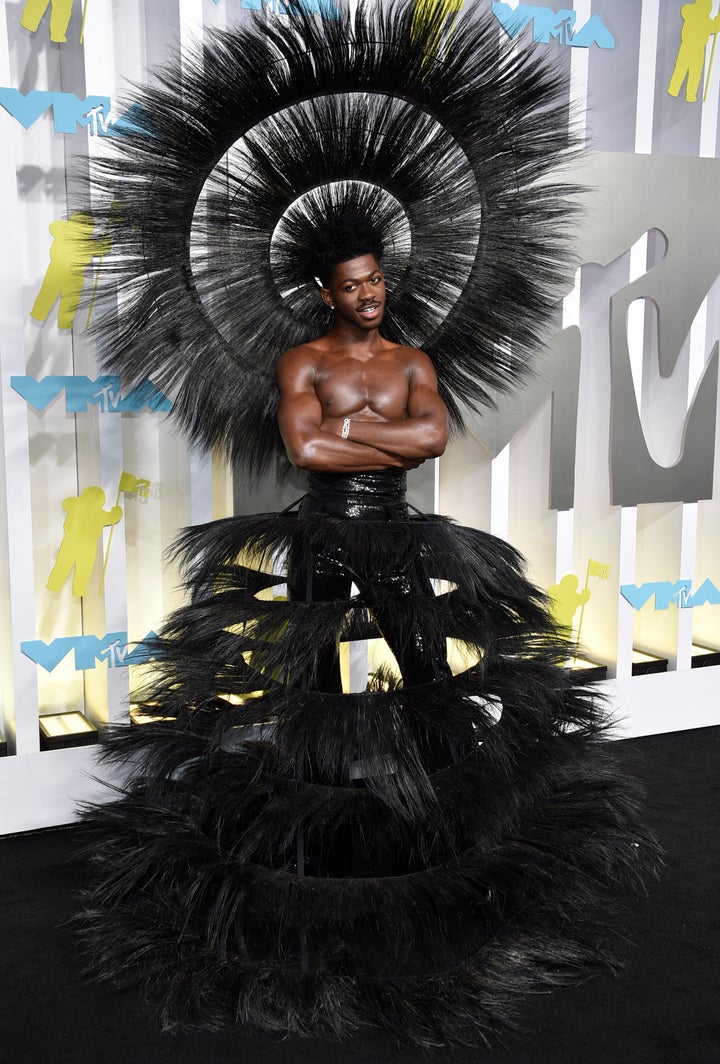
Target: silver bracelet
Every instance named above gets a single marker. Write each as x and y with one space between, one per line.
345 429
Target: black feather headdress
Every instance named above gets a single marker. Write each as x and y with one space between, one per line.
243 148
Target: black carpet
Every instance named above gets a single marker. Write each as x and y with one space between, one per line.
665 1009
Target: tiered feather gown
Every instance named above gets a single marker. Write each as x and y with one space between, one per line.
415 854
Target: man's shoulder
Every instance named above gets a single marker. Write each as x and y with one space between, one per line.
304 353
410 356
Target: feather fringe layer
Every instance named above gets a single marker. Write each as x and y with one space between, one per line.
417 857
241 148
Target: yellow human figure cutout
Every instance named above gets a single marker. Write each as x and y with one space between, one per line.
84 523
71 253
565 600
60 12
698 27
442 14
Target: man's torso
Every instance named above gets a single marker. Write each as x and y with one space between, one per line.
366 386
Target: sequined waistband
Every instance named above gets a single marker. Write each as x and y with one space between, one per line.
390 483
375 494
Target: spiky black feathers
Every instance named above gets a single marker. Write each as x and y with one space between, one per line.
244 147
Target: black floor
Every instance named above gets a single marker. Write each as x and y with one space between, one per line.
664 1010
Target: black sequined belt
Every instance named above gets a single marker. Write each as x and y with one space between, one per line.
377 495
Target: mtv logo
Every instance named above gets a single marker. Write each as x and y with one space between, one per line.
81 392
70 112
550 25
112 648
668 593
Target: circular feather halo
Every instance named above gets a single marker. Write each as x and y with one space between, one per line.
245 145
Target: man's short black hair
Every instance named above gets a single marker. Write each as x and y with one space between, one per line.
344 236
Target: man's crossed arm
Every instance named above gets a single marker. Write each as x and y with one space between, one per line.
314 442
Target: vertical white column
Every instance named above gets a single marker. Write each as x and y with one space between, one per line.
579 64
436 485
626 566
115 617
688 542
191 21
98 54
709 114
644 114
201 478
699 343
647 61
500 494
565 527
689 535
222 487
19 678
358 664
106 687
201 487
564 543
628 516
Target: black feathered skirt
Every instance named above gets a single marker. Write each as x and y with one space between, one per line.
416 854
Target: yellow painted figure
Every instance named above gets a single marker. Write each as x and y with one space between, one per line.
444 12
565 600
698 27
71 253
84 523
60 12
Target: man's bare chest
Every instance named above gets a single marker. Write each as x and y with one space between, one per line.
348 385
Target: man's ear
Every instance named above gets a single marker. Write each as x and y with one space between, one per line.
327 297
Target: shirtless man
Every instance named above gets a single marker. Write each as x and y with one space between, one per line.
352 402
383 395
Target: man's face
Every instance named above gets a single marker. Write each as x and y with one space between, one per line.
357 292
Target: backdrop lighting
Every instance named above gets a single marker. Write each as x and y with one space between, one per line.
643 663
587 670
703 656
61 730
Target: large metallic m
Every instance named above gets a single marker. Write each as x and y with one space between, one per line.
629 196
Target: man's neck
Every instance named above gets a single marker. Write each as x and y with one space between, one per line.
352 338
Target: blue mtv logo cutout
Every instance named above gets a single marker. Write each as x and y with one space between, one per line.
112 648
548 25
81 393
668 593
70 112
